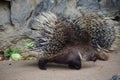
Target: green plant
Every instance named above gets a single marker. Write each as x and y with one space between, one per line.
15 54
16 57
31 58
29 45
12 51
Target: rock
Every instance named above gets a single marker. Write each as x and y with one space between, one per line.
88 5
113 4
20 12
116 77
11 40
4 14
55 6
66 8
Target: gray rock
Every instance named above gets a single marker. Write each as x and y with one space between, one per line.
4 14
8 40
62 8
88 5
106 7
20 11
116 77
56 6
113 4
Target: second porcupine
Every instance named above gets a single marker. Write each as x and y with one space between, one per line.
67 41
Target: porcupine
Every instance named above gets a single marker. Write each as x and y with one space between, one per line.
63 42
102 33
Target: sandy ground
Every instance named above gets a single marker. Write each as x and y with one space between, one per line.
28 70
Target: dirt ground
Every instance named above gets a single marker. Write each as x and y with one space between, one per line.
28 70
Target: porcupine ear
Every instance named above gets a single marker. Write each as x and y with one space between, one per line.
85 37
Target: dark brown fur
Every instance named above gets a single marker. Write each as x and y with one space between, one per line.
72 54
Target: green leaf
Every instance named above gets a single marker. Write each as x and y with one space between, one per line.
30 58
16 57
29 45
12 51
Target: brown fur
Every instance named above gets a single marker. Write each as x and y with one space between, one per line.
73 53
102 33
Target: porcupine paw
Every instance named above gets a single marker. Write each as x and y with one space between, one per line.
42 64
75 65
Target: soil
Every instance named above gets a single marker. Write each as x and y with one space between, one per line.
28 70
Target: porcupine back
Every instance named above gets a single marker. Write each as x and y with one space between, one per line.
55 33
102 33
52 34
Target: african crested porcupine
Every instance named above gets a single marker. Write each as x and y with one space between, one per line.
102 33
61 41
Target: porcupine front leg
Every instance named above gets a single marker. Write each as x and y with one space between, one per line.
42 64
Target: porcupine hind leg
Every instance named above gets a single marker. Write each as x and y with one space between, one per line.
75 64
42 64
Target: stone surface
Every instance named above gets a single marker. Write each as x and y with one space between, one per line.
55 6
20 12
113 4
88 5
4 14
116 77
14 37
62 8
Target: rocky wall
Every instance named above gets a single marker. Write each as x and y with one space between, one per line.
16 14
